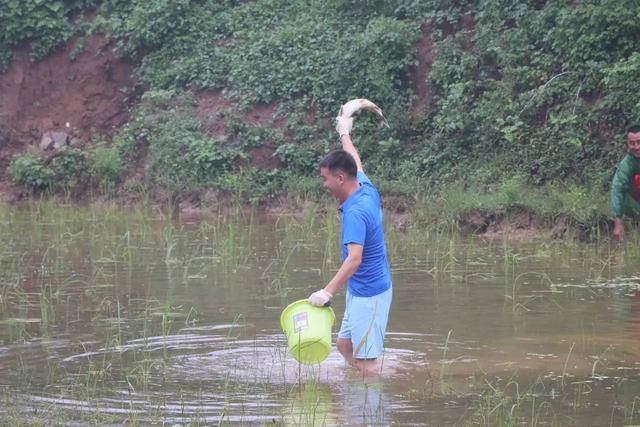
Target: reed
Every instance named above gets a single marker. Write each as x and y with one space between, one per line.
329 231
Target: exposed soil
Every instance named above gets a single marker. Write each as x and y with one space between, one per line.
517 224
212 106
86 97
91 93
520 224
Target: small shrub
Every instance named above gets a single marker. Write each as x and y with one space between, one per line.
70 167
297 158
106 166
30 171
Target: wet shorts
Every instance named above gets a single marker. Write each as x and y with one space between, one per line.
365 322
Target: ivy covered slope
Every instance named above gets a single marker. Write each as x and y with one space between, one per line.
478 92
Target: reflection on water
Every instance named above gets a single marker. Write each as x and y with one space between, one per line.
110 318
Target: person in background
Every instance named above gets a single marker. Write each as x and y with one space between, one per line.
625 187
365 268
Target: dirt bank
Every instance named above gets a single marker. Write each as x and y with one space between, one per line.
91 92
514 224
85 94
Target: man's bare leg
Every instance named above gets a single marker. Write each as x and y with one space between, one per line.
345 348
365 366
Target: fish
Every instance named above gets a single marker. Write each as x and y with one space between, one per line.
350 108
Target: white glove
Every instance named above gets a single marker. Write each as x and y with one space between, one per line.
344 125
320 298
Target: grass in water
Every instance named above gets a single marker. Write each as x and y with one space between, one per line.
101 302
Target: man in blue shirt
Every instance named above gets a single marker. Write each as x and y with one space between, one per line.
365 268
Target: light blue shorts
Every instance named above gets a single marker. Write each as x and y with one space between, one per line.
365 322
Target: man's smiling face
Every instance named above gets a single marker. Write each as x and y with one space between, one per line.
332 181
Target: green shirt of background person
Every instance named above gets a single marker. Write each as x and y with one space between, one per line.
625 187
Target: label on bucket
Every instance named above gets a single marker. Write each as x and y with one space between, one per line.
300 321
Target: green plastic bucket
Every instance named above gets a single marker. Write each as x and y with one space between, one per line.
308 330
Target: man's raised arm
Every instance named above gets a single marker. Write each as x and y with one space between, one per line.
343 127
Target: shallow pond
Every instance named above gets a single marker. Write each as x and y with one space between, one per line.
111 316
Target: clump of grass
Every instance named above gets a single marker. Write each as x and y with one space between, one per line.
581 206
508 406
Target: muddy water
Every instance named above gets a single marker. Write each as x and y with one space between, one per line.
112 317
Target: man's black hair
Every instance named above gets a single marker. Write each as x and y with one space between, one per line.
340 160
634 128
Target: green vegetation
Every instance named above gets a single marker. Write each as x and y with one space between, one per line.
42 24
581 206
540 90
30 171
179 156
70 168
67 170
106 166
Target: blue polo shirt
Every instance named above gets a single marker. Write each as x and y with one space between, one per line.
362 224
